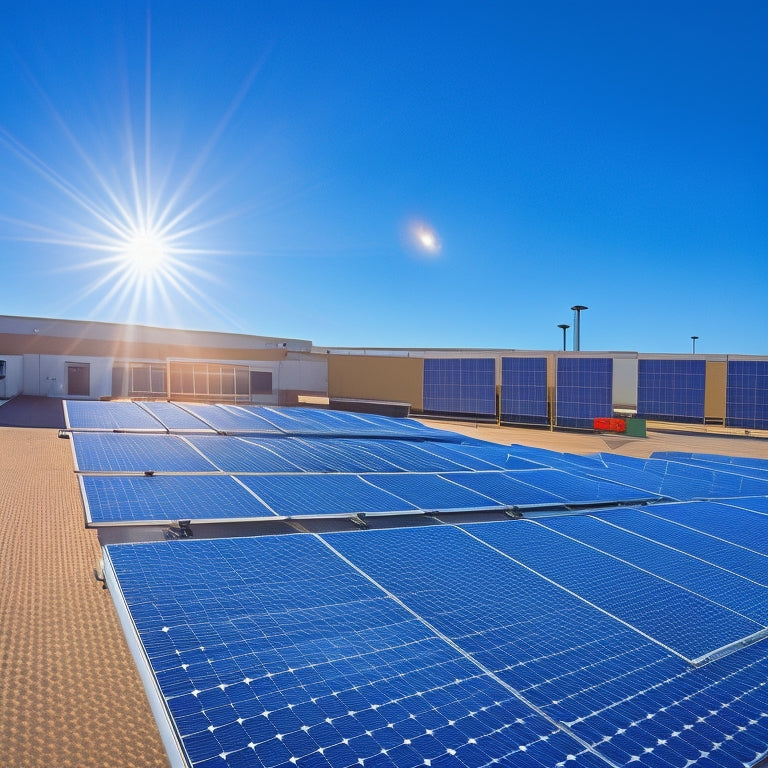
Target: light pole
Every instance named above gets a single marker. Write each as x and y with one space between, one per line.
565 327
577 308
693 343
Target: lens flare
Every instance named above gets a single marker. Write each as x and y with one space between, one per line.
424 239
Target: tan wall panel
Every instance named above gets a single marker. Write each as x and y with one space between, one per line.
714 389
398 379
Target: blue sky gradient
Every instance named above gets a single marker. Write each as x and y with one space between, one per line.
611 154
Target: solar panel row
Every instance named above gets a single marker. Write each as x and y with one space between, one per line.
431 646
628 635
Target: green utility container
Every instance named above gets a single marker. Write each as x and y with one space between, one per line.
635 428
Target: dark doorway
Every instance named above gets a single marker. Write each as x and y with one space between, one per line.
79 379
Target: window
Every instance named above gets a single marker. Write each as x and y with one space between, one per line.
261 382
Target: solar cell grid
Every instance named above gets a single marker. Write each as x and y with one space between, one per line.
625 695
503 488
746 404
711 549
681 621
226 418
312 664
524 390
677 566
308 455
116 452
173 417
167 498
109 416
671 390
738 526
330 495
461 386
233 454
431 492
584 391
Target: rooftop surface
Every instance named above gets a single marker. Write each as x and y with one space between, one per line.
71 695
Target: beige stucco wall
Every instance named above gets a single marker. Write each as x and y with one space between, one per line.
714 389
370 377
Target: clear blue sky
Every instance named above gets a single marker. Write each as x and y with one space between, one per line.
612 154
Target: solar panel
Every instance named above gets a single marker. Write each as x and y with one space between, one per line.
333 495
505 489
671 390
275 652
622 693
174 418
746 394
431 492
524 390
116 452
167 498
460 386
738 526
707 547
681 621
230 418
584 391
109 416
668 562
234 454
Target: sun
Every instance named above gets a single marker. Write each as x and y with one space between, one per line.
146 252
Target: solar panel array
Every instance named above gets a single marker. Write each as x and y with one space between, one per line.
524 390
633 634
746 404
671 390
584 391
460 386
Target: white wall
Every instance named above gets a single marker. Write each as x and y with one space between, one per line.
306 375
625 382
47 375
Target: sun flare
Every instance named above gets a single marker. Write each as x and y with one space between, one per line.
146 252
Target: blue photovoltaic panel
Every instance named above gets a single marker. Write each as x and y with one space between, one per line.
478 457
109 416
310 455
710 549
616 689
412 457
234 454
111 499
524 390
310 495
684 622
504 488
755 503
584 391
730 523
174 418
712 458
431 492
369 455
460 386
746 394
231 418
668 562
308 421
276 652
119 452
671 390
